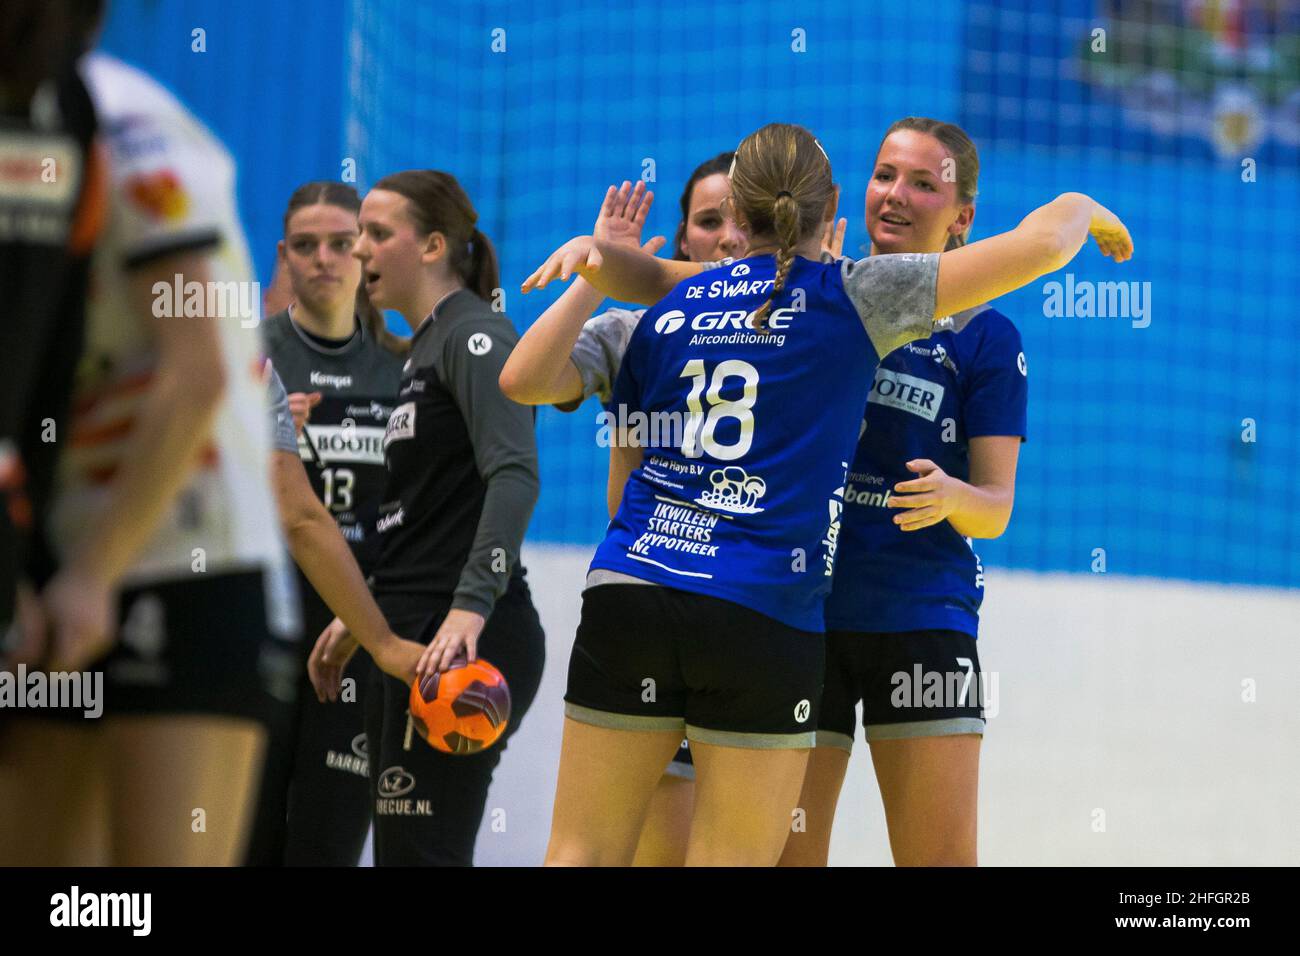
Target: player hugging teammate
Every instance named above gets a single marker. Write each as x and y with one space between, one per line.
733 645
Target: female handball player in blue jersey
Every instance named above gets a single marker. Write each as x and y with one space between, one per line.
462 481
935 466
550 367
736 520
703 611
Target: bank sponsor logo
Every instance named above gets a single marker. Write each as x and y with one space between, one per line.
391 520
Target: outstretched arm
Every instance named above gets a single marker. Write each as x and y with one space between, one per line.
617 271
1046 240
539 370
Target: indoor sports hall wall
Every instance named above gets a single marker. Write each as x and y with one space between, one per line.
1162 442
1136 422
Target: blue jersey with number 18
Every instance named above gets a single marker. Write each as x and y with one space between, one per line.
747 435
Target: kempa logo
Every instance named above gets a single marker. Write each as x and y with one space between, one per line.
802 711
480 344
334 381
75 908
1020 364
740 270
217 300
1103 300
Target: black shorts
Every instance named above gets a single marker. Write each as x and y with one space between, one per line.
428 805
200 645
911 684
656 658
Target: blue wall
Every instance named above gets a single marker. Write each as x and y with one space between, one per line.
1135 443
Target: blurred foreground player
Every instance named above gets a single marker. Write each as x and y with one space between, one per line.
172 585
51 210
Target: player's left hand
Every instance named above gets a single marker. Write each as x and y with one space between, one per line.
931 498
458 634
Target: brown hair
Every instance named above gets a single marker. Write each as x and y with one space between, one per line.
711 167
439 204
780 186
965 157
331 193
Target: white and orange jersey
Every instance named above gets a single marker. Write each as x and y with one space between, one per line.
172 190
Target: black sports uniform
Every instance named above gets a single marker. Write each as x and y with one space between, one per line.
315 805
462 465
51 203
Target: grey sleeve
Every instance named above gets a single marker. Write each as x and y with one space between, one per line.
894 296
598 353
283 435
505 453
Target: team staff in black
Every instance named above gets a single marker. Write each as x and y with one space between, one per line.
341 367
462 482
